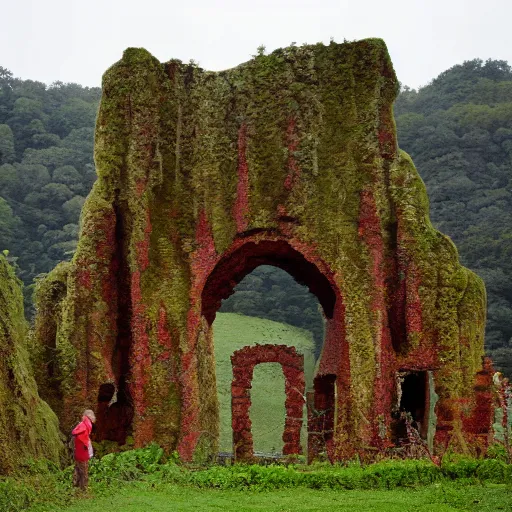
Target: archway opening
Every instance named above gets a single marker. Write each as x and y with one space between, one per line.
278 253
267 415
263 271
244 362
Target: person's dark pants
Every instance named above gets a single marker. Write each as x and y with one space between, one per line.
81 474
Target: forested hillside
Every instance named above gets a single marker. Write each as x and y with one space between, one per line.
458 130
46 170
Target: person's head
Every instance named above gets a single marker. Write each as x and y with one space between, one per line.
88 413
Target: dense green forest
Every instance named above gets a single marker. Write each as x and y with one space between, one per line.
47 169
458 130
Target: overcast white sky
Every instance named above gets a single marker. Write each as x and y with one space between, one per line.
76 41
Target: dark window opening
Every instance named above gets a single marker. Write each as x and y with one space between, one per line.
106 393
413 406
321 418
114 419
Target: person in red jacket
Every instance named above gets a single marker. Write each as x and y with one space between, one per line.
83 449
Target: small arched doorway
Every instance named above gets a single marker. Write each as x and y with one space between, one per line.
243 362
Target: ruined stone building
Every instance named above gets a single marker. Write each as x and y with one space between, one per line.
290 160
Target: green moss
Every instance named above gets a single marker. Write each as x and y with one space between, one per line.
49 295
28 427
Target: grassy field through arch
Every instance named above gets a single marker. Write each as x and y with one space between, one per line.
232 332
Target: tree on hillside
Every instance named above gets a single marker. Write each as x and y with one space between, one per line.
7 153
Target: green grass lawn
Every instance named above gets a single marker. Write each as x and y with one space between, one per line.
232 332
439 498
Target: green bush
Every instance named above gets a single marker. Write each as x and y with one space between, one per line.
243 476
461 468
37 482
497 451
15 496
492 470
126 466
385 475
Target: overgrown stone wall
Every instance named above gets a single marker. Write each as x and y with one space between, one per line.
290 159
28 427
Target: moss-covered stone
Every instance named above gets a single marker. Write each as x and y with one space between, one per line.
49 295
28 427
290 159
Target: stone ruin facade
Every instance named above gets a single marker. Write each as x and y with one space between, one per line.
290 159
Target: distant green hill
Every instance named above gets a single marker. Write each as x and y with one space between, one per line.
232 332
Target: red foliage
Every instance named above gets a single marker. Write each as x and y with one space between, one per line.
140 187
142 247
410 282
387 141
423 357
414 308
107 240
140 360
203 260
371 232
244 361
84 278
163 335
478 423
189 427
205 257
189 407
387 138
